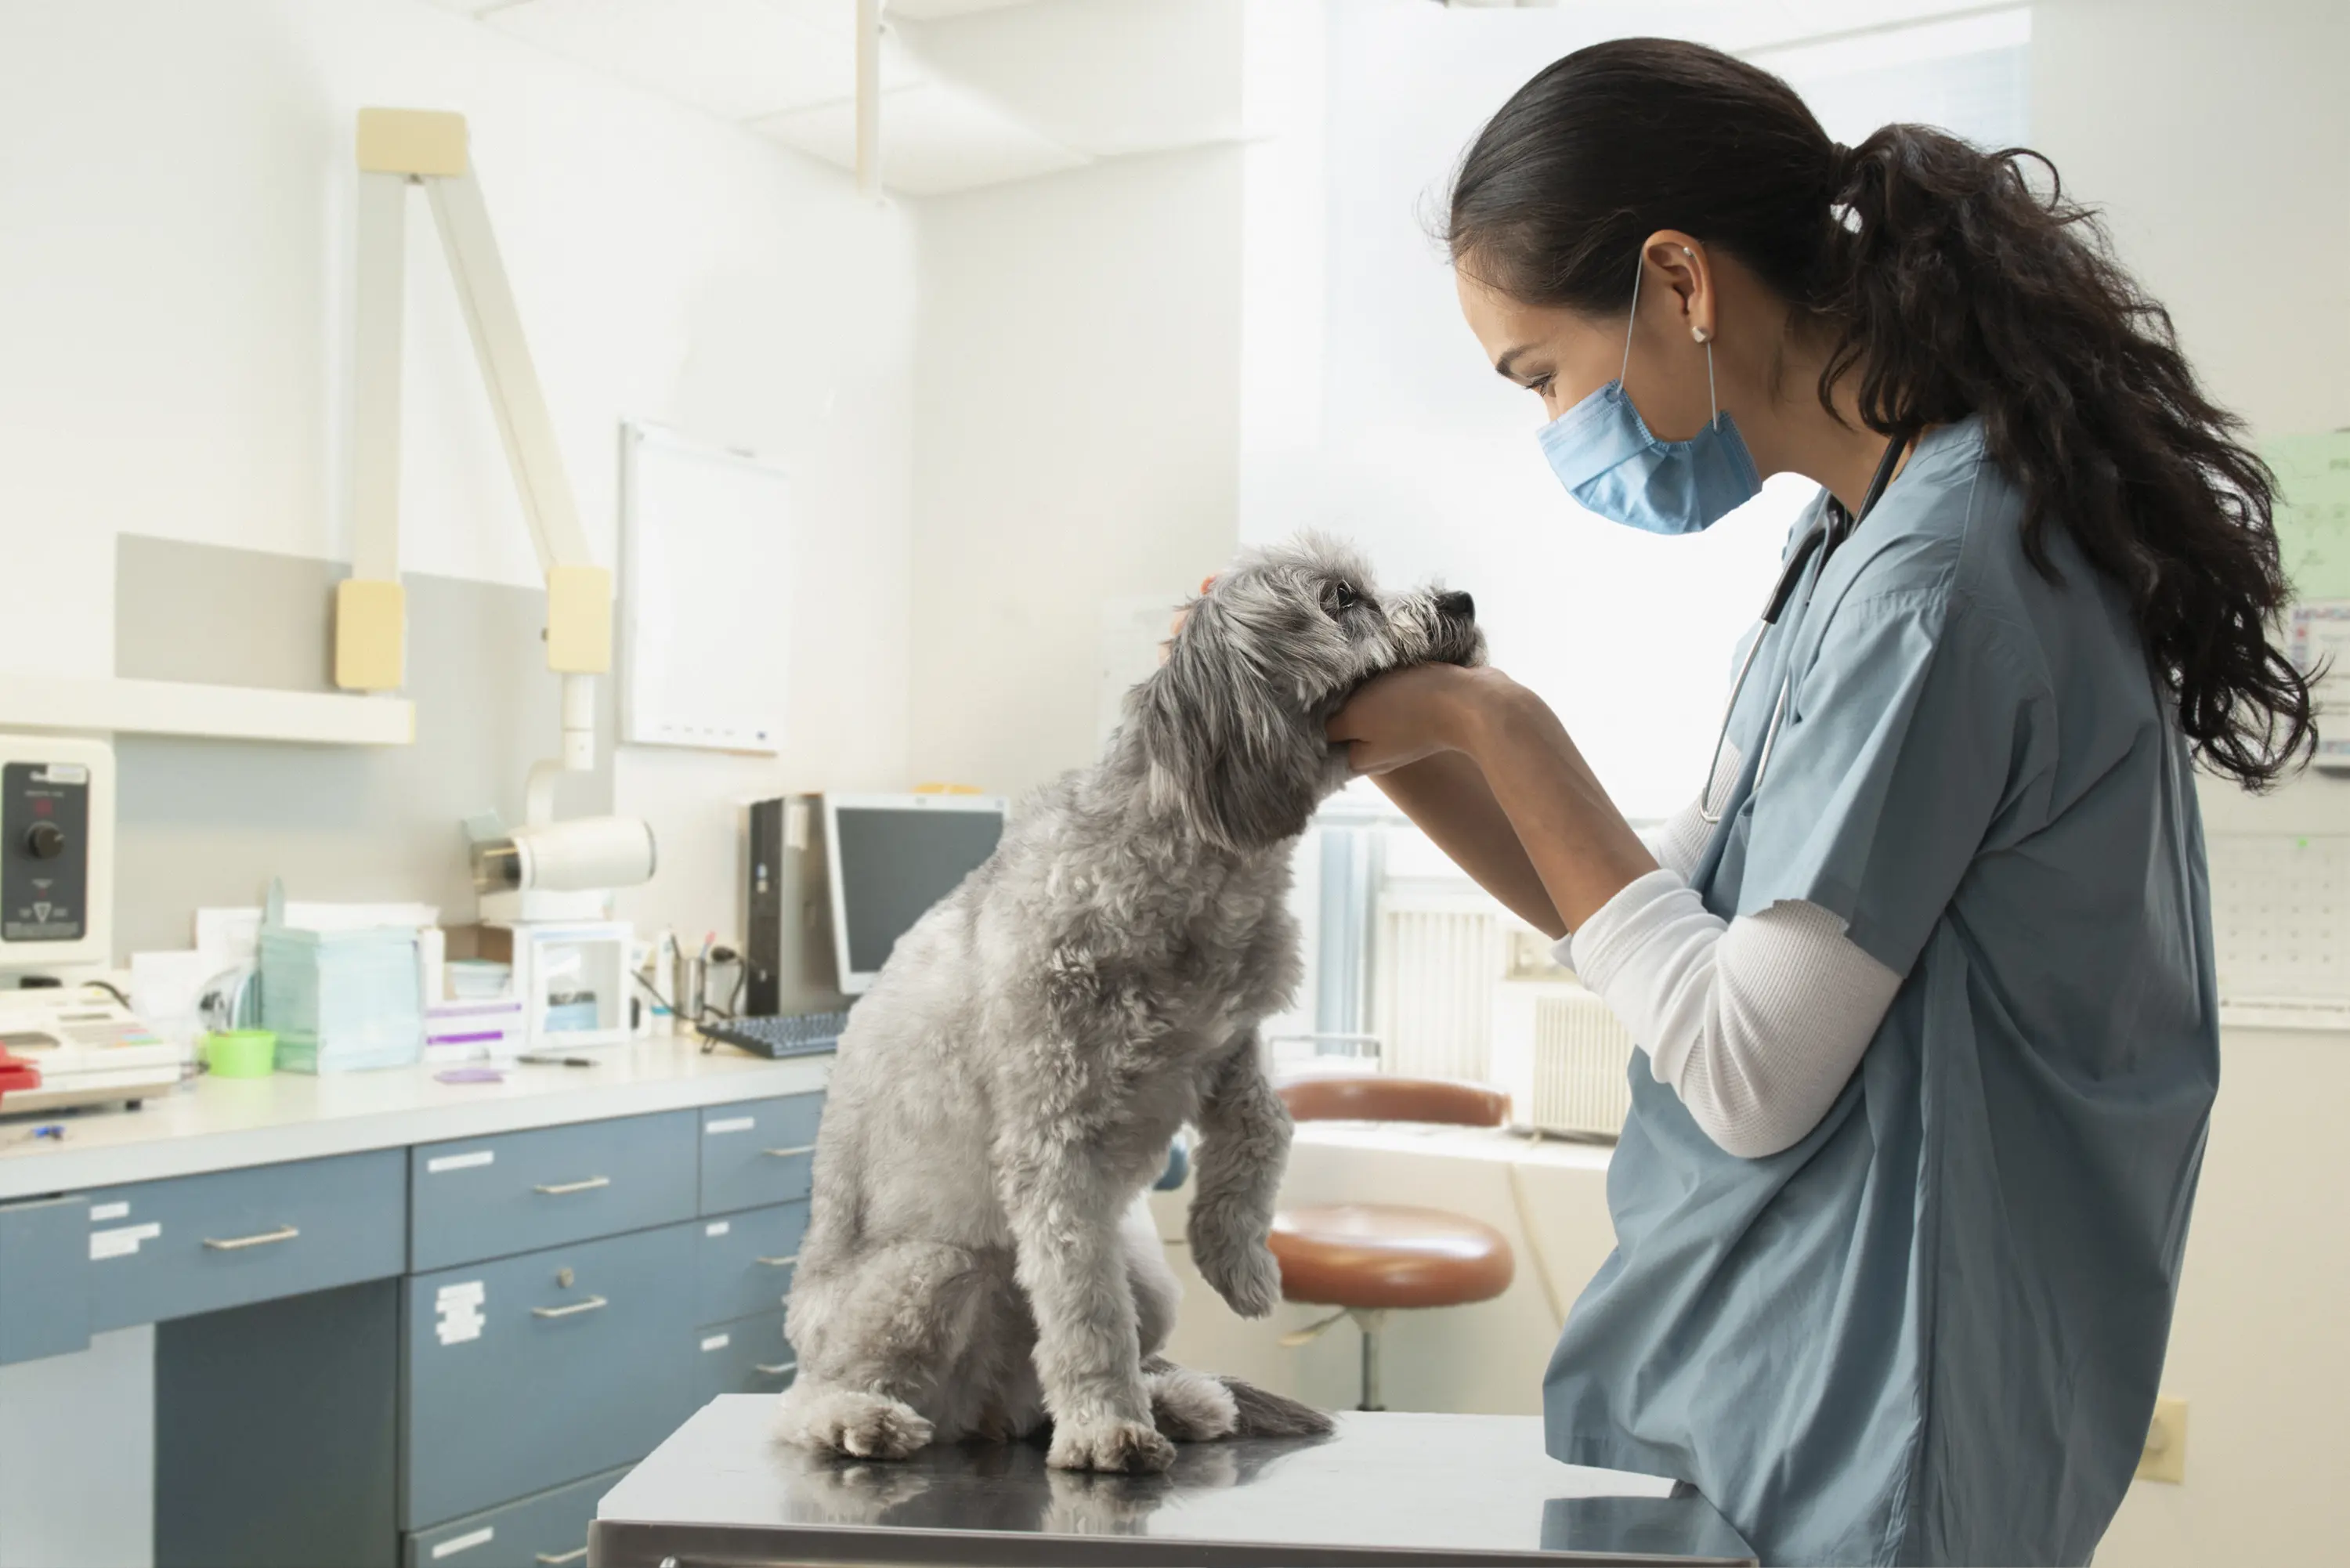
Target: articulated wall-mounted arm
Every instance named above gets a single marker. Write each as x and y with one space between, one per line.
398 148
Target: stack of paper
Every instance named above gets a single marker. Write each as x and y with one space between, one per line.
341 1000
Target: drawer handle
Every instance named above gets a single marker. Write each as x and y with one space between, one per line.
574 1310
780 1262
774 1368
550 1559
787 1153
556 1188
238 1243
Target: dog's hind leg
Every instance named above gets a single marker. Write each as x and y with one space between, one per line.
852 1421
881 1346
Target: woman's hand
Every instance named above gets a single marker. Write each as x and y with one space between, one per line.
1406 715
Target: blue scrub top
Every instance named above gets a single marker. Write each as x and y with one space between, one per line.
1932 1330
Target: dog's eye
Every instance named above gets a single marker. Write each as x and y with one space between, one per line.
1343 599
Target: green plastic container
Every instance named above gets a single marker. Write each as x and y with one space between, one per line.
241 1053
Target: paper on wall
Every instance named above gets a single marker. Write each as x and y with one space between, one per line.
2312 513
2321 637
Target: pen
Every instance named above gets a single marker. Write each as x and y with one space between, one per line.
559 1061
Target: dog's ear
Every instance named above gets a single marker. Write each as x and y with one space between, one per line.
1219 747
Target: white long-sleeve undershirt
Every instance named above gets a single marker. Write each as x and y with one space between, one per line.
1756 1023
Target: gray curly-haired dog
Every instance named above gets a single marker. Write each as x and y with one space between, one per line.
978 1261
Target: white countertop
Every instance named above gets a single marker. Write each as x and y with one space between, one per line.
222 1124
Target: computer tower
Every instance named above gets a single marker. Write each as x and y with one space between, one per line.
788 963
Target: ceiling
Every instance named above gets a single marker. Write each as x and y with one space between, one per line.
977 92
974 92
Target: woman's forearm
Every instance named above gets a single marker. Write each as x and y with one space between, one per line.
1578 844
1446 797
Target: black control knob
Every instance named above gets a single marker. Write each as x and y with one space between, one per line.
45 840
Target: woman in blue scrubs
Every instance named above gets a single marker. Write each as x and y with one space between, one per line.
1923 977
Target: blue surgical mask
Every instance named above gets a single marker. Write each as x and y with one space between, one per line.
1601 451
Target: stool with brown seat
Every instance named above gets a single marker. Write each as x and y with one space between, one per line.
1370 1259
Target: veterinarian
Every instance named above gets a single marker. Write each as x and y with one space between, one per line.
1924 976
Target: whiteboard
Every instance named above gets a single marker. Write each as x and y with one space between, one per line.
705 594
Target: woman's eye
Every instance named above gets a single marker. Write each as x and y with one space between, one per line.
1345 598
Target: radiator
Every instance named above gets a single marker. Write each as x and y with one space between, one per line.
1580 1057
1435 961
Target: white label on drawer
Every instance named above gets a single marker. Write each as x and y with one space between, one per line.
731 1124
465 1543
718 1227
457 1314
434 1167
715 1341
98 1211
122 1240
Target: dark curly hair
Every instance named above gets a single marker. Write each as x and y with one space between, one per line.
1946 286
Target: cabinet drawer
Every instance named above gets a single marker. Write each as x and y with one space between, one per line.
757 1153
539 1531
45 1278
745 1262
196 1243
531 1371
515 1192
751 1357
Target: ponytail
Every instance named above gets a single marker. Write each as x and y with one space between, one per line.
1946 286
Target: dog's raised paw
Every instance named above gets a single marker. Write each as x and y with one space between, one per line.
1248 1277
1125 1446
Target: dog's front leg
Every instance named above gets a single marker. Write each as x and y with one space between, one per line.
1244 1147
1064 1206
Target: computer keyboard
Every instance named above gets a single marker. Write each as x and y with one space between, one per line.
792 1034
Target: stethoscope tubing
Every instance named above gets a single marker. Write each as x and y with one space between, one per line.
1822 539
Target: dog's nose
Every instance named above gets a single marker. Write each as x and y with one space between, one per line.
1459 605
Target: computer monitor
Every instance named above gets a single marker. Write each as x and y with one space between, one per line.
888 858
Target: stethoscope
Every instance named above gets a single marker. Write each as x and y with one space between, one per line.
1832 529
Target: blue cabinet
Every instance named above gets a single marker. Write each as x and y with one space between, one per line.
488 1197
530 1372
744 1261
759 1152
162 1250
44 1278
541 1531
747 1356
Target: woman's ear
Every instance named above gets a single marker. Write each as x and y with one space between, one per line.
1687 276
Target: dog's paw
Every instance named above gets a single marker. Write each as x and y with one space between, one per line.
1247 1276
1109 1444
860 1425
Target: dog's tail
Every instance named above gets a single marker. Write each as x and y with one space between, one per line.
1201 1406
1260 1413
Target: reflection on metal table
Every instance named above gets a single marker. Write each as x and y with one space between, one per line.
1388 1488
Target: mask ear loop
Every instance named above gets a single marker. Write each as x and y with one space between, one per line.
1712 398
1638 268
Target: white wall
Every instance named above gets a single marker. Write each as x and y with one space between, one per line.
1076 430
174 295
2207 134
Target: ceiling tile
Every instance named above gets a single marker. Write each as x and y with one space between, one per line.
932 10
734 59
935 138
